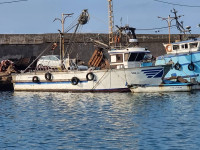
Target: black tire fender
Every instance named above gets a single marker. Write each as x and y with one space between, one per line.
35 79
48 76
74 81
177 66
191 66
90 76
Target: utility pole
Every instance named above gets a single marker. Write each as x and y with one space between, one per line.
169 20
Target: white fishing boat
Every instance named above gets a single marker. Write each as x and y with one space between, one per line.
129 65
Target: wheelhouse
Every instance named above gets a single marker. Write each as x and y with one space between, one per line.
129 58
183 46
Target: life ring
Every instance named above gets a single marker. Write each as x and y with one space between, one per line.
191 66
177 66
35 79
74 81
48 76
168 48
90 76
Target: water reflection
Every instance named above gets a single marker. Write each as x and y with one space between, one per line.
45 120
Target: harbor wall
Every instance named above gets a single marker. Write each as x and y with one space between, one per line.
17 46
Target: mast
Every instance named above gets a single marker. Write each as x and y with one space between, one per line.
62 20
62 40
111 23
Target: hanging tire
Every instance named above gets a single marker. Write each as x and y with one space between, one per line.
191 66
35 79
177 66
48 76
74 81
90 76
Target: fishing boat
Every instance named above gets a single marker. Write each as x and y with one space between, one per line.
129 64
184 56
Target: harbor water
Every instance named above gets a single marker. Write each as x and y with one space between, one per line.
62 121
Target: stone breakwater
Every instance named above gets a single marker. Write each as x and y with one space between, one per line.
17 46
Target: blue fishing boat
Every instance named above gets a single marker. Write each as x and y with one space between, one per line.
185 59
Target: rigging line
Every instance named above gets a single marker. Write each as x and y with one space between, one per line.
12 2
156 28
175 4
97 84
47 48
71 26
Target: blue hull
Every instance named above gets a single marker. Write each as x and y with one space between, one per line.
184 70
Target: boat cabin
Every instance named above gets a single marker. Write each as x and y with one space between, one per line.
130 57
183 46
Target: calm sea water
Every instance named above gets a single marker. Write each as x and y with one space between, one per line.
99 121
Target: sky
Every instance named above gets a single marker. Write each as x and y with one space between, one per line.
36 16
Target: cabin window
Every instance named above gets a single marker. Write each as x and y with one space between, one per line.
136 56
113 58
119 58
175 47
193 45
186 46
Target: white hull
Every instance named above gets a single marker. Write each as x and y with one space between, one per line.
111 80
161 88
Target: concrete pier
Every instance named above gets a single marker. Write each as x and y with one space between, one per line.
16 46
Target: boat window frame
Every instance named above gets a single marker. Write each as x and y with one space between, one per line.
192 44
136 57
176 47
119 58
184 46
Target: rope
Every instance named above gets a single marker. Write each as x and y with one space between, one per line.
100 80
47 48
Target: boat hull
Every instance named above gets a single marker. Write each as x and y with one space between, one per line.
184 59
161 88
111 80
